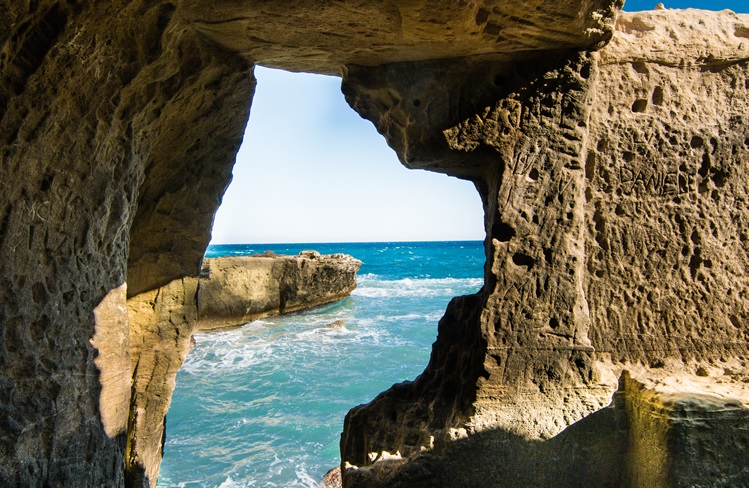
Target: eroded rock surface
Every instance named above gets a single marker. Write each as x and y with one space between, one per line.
235 290
613 195
304 35
613 183
118 128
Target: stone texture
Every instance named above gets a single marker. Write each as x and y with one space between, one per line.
94 100
613 184
162 322
613 197
686 430
305 35
235 290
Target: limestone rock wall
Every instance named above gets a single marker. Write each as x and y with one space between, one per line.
94 99
666 237
304 35
613 185
162 322
235 290
612 192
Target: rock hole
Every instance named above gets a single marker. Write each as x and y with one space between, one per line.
554 323
705 167
628 156
482 15
570 215
619 210
735 321
521 259
503 232
694 264
533 174
585 71
491 29
641 68
720 178
39 327
741 31
39 293
696 142
416 102
640 105
46 183
547 255
590 165
658 95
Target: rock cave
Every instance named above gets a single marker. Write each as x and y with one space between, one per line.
608 346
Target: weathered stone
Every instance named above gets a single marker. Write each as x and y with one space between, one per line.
235 290
106 111
612 195
613 185
685 430
157 353
304 35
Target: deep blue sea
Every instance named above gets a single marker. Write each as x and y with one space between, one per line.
262 405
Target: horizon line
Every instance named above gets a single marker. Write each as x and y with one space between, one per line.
339 242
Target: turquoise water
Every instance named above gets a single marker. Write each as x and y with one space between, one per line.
262 405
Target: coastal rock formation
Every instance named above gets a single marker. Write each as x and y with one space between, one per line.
118 129
230 291
613 183
235 290
614 199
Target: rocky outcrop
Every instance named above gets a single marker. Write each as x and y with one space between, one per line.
612 199
235 290
613 184
230 291
157 353
118 128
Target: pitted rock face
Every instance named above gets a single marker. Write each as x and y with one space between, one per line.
612 193
613 185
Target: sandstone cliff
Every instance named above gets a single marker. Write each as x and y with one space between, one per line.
235 290
610 152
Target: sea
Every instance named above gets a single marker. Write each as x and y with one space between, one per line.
262 405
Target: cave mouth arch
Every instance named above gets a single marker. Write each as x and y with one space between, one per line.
311 170
402 325
111 180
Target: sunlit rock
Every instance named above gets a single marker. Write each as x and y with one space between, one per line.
614 188
235 290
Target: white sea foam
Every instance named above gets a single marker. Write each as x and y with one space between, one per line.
305 479
416 287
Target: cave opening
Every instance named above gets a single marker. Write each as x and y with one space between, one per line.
265 402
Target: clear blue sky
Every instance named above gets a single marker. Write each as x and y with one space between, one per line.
311 170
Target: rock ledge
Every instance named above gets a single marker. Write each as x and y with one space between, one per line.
235 290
